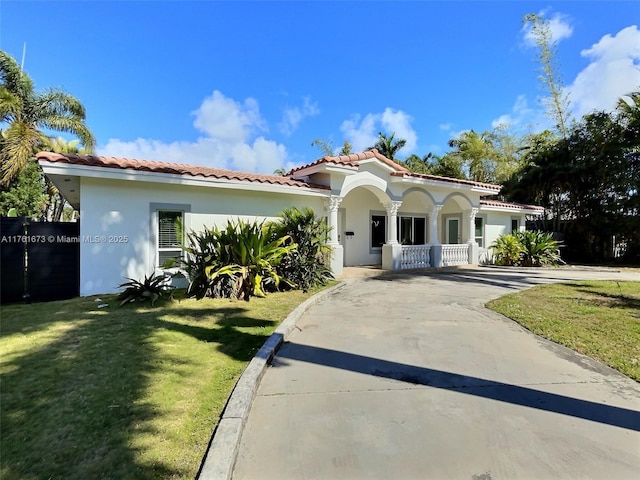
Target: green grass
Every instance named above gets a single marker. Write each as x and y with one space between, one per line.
122 393
600 319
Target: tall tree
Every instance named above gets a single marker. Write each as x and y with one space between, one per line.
29 114
327 149
557 101
589 182
388 145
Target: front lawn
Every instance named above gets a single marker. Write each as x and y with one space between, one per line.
119 393
600 319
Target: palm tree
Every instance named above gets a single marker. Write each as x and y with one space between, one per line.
388 145
28 113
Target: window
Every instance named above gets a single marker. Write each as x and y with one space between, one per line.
412 230
378 230
170 237
515 224
479 231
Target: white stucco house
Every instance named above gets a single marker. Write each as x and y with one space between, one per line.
379 212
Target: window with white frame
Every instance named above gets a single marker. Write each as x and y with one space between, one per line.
170 237
515 224
479 231
412 230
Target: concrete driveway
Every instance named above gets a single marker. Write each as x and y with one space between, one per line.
410 377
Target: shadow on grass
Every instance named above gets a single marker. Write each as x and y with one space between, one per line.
75 408
609 299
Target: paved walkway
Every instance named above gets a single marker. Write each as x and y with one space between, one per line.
410 377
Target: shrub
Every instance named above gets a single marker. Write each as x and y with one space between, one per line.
151 288
527 249
507 250
539 248
237 261
307 265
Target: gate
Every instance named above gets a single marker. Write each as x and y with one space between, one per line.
40 261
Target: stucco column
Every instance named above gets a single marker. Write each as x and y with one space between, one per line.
337 254
474 249
470 219
392 250
392 221
434 216
333 203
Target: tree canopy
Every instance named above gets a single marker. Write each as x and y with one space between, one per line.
26 116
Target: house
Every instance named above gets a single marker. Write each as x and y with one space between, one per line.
132 211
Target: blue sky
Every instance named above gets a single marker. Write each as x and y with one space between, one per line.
249 85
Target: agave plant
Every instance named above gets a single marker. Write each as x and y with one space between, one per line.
507 250
539 248
151 288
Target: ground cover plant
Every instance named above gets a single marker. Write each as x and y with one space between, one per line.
600 319
94 391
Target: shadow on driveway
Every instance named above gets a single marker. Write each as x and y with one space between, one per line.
480 387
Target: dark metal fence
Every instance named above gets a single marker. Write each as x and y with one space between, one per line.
39 261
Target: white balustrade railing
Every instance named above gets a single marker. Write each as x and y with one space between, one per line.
455 254
415 256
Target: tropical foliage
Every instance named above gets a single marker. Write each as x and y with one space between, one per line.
307 265
526 249
152 288
25 193
589 182
239 260
507 250
246 259
389 145
29 114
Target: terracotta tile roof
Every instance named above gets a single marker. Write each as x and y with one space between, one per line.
354 160
489 186
172 168
495 203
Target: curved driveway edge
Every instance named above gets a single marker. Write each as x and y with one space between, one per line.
220 457
411 377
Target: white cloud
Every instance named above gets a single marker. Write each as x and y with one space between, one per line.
445 126
228 126
292 116
613 72
227 120
399 122
520 114
363 134
559 26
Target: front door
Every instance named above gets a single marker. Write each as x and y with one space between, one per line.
453 229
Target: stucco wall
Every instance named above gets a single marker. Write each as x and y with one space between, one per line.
118 237
498 223
357 206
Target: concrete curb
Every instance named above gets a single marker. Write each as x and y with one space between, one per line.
220 458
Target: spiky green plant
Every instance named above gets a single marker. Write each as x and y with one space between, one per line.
151 288
507 250
306 266
538 248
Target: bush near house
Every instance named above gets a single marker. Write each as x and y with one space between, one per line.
307 265
526 249
246 259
